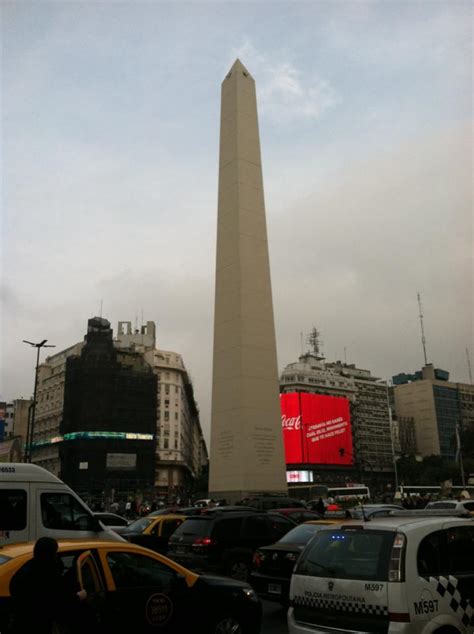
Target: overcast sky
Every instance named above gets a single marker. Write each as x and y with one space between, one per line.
110 122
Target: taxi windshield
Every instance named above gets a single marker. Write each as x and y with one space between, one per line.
139 525
348 554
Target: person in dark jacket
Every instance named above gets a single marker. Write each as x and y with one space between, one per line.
40 599
320 507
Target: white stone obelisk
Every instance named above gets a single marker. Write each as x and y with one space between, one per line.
246 437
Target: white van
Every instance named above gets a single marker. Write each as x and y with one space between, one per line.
410 575
35 503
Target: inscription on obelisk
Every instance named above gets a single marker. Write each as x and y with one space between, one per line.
246 438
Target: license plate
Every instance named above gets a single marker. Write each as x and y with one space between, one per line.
180 550
274 588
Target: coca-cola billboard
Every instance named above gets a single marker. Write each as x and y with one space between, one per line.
316 429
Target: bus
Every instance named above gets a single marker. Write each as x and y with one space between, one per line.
315 491
341 494
410 490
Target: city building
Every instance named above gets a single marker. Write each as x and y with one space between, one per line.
181 452
108 423
437 406
373 453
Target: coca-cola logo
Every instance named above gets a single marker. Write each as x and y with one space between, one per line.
291 423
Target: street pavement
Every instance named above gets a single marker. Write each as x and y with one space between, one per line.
274 619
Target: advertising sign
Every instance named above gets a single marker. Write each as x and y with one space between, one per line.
119 461
299 476
316 429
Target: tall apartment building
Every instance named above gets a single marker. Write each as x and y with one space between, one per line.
437 406
368 397
181 451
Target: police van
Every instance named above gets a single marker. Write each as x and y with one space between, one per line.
410 574
35 503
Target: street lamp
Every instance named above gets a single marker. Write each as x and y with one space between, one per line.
31 424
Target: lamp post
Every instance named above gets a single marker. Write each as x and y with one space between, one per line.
31 423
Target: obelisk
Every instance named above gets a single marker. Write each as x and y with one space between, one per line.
246 454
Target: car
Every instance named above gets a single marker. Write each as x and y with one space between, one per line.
372 510
298 515
454 505
132 589
112 520
405 574
273 565
153 532
180 510
225 542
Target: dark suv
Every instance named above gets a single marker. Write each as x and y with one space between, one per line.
225 543
269 502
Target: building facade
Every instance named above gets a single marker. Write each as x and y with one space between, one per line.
108 421
373 453
437 406
181 451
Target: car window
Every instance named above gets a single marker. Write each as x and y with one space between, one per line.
228 528
12 509
469 506
255 526
348 554
169 527
280 525
441 505
134 570
460 542
139 525
194 526
62 511
430 555
300 534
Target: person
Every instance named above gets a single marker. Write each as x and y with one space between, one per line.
128 509
320 507
40 599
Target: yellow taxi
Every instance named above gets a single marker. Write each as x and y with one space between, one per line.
133 589
152 532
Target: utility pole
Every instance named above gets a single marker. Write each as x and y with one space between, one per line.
469 365
31 426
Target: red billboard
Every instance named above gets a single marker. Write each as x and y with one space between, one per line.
316 429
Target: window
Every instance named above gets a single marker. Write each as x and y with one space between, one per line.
256 526
12 509
166 444
176 389
167 402
460 550
348 554
167 415
169 527
228 529
430 558
63 512
132 570
175 444
176 416
281 525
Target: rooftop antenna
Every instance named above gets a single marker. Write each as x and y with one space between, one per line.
345 355
101 306
314 340
469 365
423 340
301 343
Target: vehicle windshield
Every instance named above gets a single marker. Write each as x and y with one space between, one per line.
441 505
139 525
348 554
194 527
300 534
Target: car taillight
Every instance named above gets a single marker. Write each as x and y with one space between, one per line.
258 559
396 571
201 542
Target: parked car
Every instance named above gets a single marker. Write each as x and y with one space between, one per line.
273 565
180 510
452 505
153 532
400 574
225 542
131 589
112 520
